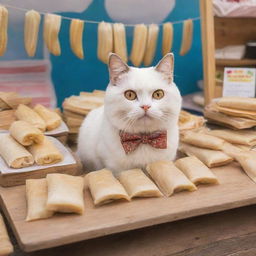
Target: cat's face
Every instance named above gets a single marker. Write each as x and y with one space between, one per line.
142 99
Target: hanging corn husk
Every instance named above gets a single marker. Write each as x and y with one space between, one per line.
105 41
139 44
153 30
187 37
167 38
3 29
76 37
120 47
52 23
32 22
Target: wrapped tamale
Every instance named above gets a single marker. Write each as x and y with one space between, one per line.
105 188
45 152
25 133
243 137
211 158
14 154
65 193
27 114
169 178
137 184
241 103
196 171
37 194
6 247
51 118
202 140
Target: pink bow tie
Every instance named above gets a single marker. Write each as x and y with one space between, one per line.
130 141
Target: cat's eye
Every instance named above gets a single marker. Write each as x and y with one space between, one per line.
130 95
158 94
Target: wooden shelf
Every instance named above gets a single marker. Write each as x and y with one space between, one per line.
235 63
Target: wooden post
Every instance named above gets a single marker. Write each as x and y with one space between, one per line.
208 43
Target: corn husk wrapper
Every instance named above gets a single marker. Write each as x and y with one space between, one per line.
211 158
244 137
105 188
169 178
36 194
188 121
202 140
137 184
214 116
25 133
14 154
240 103
6 246
45 153
65 193
196 171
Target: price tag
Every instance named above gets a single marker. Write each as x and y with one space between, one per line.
239 82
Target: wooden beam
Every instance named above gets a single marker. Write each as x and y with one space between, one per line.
208 43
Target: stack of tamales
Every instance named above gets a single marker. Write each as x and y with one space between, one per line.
232 112
9 101
75 108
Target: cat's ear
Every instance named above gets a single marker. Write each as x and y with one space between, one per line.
165 66
116 68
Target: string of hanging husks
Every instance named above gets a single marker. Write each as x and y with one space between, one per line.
111 37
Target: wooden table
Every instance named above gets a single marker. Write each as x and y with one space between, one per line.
229 233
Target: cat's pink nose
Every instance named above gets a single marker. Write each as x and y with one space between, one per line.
145 107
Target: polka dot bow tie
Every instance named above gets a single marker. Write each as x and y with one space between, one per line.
130 141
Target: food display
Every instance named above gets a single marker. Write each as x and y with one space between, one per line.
14 154
209 157
25 133
202 140
45 152
137 184
196 171
51 118
27 114
6 246
65 193
36 195
105 188
169 178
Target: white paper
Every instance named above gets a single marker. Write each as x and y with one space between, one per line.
239 82
67 160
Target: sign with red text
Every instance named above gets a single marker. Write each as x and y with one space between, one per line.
239 82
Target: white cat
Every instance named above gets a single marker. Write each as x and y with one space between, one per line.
138 101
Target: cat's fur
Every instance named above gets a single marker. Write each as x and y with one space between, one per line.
99 143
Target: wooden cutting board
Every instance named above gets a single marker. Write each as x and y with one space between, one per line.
235 190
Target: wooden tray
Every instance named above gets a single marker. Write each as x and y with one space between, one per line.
235 190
